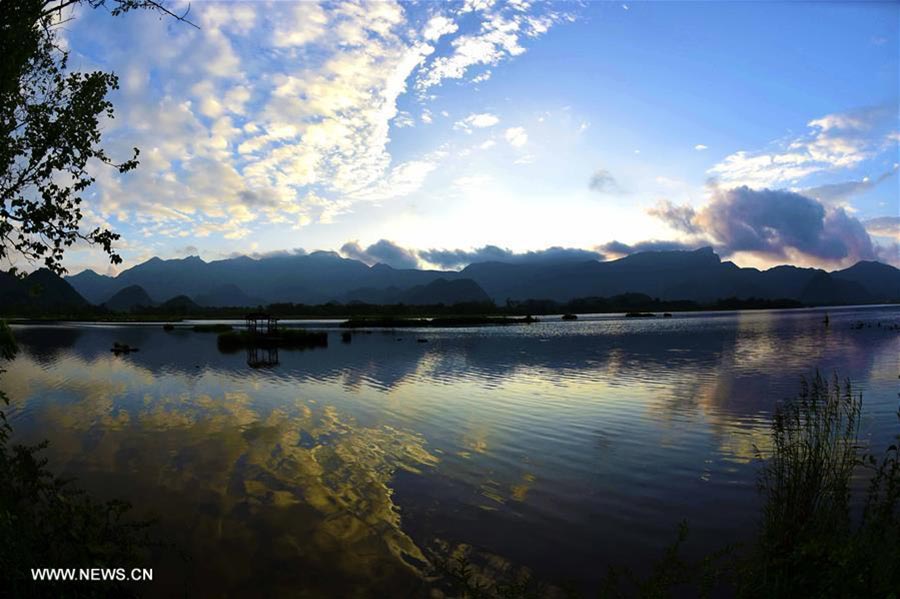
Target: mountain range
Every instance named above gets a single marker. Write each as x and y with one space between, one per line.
321 277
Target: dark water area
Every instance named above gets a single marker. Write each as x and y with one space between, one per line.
562 447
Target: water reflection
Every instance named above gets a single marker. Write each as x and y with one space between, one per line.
239 483
262 357
559 446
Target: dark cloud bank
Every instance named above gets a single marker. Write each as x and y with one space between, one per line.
772 223
387 252
492 253
776 224
382 251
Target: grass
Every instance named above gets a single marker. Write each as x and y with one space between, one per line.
233 341
809 543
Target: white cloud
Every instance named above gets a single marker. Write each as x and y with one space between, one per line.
700 147
283 115
516 136
401 181
307 22
480 120
498 38
833 142
437 27
884 226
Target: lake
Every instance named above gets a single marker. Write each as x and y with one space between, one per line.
561 447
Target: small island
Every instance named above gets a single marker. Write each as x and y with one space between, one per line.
262 331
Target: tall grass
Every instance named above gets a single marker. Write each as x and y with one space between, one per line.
806 482
809 543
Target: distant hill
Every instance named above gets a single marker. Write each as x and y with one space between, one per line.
226 296
825 289
93 287
129 299
320 277
442 291
180 304
13 291
880 280
438 291
41 291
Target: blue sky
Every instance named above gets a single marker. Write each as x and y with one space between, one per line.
390 130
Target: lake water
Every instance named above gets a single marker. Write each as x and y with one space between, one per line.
560 446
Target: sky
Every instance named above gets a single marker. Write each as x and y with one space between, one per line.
433 134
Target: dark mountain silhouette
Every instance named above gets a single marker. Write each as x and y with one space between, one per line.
225 296
180 304
442 291
824 288
128 299
95 288
439 291
880 280
13 292
322 277
40 291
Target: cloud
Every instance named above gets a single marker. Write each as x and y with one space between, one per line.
503 27
889 253
267 254
305 23
382 251
618 248
700 147
603 181
516 136
438 27
775 223
401 181
836 193
833 142
491 253
680 218
884 226
283 115
479 120
188 250
481 78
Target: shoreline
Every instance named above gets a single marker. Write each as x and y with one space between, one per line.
513 318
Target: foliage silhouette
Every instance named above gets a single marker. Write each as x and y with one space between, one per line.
50 124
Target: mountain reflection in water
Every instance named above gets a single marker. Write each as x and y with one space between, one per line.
560 446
